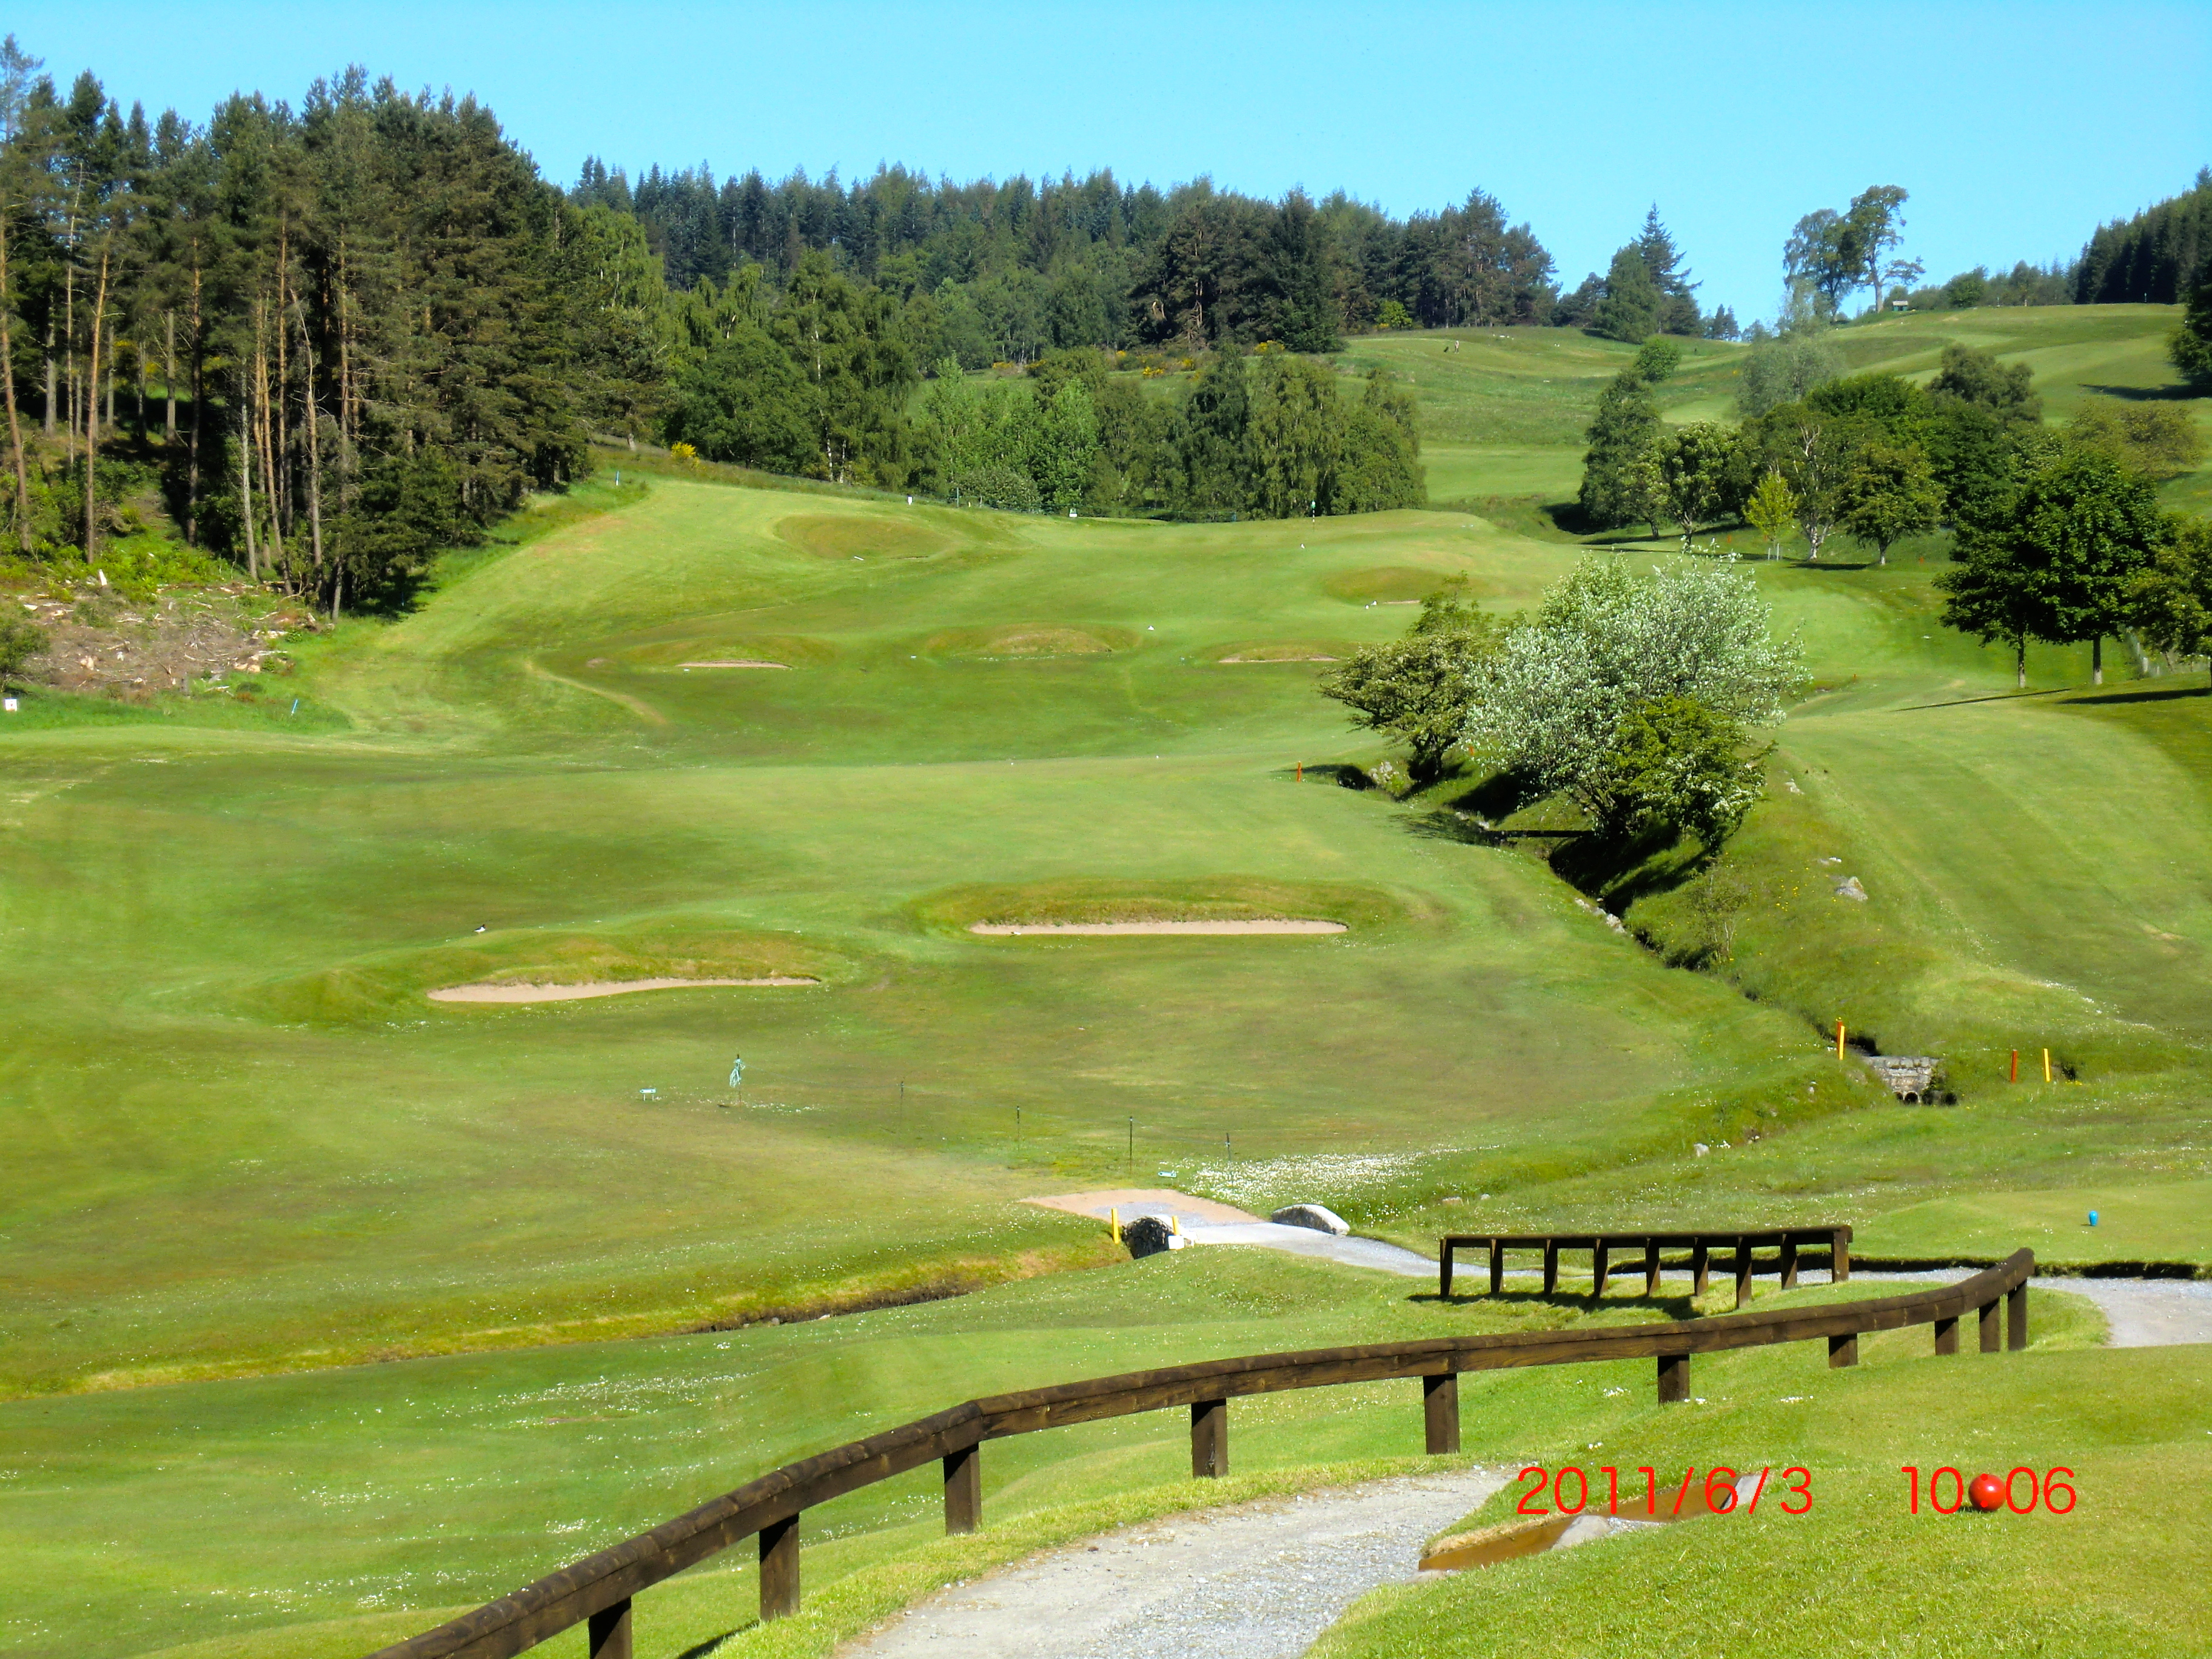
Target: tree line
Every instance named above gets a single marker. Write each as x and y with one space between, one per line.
2057 535
1003 271
336 338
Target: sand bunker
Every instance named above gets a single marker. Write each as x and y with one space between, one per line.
1099 929
610 987
737 663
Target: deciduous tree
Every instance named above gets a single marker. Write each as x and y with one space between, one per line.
2061 561
1889 493
2170 601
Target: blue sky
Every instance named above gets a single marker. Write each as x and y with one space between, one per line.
2016 127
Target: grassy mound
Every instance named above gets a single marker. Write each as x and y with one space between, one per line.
793 650
1397 584
1222 898
843 535
1240 651
375 988
1021 641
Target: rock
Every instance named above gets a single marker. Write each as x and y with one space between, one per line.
1909 1077
1148 1234
1699 1148
1455 1201
1321 1219
1791 784
1849 888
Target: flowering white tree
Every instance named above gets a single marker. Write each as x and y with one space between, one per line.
1555 701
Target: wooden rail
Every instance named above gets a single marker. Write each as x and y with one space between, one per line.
1830 1244
598 1591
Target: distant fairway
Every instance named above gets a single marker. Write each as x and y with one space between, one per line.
1504 411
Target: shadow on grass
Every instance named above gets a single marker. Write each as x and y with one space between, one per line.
2146 697
1680 1306
2147 394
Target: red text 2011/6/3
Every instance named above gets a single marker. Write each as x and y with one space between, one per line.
1570 1492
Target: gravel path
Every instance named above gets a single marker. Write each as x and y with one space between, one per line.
2142 1313
1264 1579
1258 1581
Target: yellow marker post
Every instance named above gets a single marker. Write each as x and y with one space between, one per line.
1174 1223
2046 1064
1114 1220
1840 1039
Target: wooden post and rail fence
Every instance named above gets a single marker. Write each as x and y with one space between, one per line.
1624 1254
598 1591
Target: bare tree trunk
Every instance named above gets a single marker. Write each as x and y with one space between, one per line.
2019 664
69 338
246 491
199 404
269 491
314 456
92 417
2097 660
169 375
15 427
48 414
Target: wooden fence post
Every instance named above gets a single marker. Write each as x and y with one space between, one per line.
1209 1438
1551 1267
1600 1260
1497 1265
1839 1258
1440 1412
1674 1377
1701 1264
2016 1318
1992 1338
609 1632
779 1569
1842 1351
1947 1335
1788 1262
1651 1268
1444 1269
1743 1271
963 1490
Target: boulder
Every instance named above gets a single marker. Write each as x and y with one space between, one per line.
1321 1219
1148 1234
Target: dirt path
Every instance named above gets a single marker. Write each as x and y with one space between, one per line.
1260 1581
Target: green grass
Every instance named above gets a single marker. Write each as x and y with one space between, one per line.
247 1147
377 1499
1859 1573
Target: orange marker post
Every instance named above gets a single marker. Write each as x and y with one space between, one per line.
2015 1065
